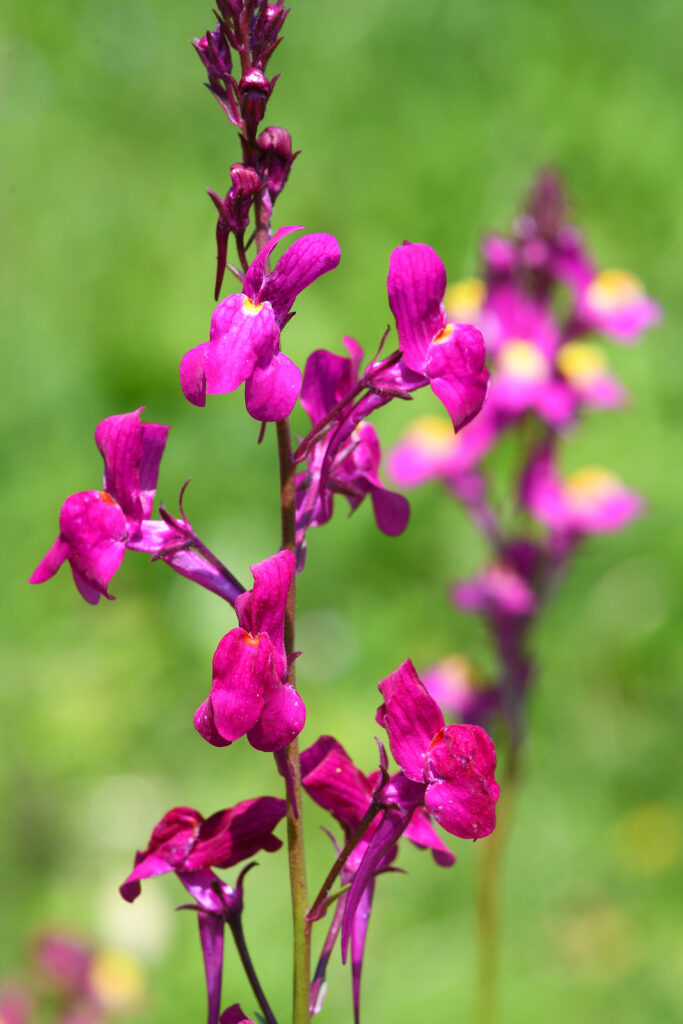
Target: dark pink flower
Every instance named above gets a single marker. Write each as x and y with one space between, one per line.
244 340
456 763
345 458
97 527
185 842
190 845
330 777
249 690
451 356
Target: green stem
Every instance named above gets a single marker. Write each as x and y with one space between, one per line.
295 836
488 894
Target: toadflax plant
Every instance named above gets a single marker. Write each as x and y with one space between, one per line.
540 303
445 773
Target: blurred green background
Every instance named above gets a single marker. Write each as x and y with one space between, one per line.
421 121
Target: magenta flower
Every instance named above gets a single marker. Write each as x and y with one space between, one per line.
616 303
430 450
590 500
346 456
451 356
244 340
249 690
330 777
97 527
456 763
190 845
185 842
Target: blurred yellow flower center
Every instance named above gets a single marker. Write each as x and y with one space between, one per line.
611 290
458 671
251 308
581 361
522 359
433 435
444 334
117 980
591 485
465 298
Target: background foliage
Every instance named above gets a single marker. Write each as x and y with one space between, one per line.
421 121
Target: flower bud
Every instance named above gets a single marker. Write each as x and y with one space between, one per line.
275 145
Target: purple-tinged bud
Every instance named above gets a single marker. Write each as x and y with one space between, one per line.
214 52
253 93
275 145
264 31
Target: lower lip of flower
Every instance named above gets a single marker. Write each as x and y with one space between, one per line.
581 361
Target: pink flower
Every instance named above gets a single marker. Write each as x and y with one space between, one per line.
456 763
616 303
451 356
590 500
249 690
244 340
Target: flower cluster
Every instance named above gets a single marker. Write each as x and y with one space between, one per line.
546 368
445 773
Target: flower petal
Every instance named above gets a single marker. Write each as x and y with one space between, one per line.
421 833
330 777
94 529
262 609
192 376
273 388
457 373
232 835
49 565
211 930
205 725
282 719
246 336
416 285
411 717
304 262
256 274
465 808
359 933
244 670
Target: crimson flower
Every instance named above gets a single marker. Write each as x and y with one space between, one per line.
249 690
451 356
244 340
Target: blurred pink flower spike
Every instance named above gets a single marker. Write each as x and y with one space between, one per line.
190 845
249 690
590 500
456 763
451 356
616 303
244 340
430 450
97 527
63 961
